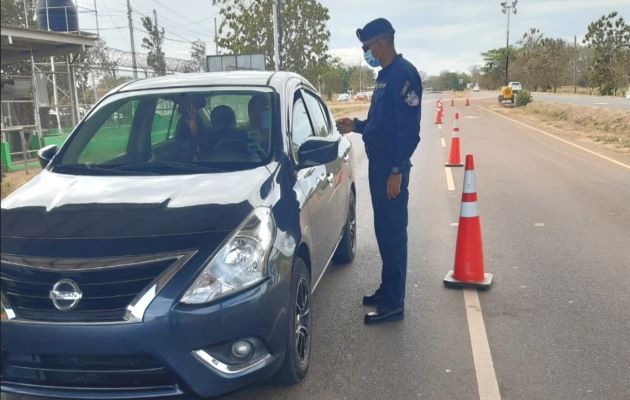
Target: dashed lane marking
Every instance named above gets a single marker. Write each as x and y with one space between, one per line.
450 183
562 140
443 142
484 368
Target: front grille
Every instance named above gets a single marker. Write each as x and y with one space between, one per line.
108 286
85 372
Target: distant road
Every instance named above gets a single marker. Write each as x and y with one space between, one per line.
595 101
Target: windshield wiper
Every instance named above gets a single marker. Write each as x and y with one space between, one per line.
92 170
167 166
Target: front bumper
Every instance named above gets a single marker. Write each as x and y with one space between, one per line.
176 340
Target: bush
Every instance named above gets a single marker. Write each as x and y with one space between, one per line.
523 98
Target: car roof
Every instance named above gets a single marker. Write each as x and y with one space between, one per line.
246 78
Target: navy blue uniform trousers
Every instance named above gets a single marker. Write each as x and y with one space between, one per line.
390 225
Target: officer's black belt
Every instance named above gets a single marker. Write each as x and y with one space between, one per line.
379 150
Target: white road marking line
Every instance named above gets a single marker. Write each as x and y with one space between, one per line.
471 117
443 142
455 224
450 183
484 368
603 104
539 224
440 126
562 140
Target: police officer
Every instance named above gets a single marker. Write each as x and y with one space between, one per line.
391 134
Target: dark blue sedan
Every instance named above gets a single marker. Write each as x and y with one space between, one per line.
172 243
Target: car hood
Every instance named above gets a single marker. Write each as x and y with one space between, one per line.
59 206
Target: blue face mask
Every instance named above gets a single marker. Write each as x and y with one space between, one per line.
369 58
266 119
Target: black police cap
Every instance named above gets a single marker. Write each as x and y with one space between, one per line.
379 26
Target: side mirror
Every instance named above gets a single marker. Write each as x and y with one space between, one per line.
45 154
317 151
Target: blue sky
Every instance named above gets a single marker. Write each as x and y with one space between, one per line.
435 35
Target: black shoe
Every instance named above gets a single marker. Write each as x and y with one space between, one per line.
384 314
375 299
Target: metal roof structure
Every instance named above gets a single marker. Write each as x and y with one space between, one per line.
18 43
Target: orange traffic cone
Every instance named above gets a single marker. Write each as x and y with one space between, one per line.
468 270
467 102
438 116
452 102
453 153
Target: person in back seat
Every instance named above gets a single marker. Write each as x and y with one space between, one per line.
226 137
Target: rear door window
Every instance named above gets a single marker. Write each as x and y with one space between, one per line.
316 111
301 125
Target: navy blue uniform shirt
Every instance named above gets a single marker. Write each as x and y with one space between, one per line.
394 117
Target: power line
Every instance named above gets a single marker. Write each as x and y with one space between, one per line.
174 24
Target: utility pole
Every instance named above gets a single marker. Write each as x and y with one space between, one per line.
98 32
575 64
26 14
276 35
506 10
216 39
133 45
155 17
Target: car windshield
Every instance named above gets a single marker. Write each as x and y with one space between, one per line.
173 132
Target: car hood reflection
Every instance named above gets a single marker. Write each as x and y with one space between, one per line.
55 205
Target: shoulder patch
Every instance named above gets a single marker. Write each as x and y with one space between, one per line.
412 99
405 88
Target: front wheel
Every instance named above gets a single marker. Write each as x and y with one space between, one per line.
298 355
348 245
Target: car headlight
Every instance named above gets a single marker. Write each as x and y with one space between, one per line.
239 264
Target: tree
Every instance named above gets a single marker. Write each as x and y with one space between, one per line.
12 13
609 37
153 43
333 79
198 54
100 67
493 70
361 78
247 27
475 73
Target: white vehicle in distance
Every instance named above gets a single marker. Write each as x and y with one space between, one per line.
475 88
516 86
343 97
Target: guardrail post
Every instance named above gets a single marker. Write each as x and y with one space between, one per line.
5 156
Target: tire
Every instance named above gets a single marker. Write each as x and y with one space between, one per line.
298 354
500 98
348 245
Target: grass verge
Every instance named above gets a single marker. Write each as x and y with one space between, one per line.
345 109
598 126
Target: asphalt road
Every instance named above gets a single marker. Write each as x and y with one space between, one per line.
555 223
594 101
